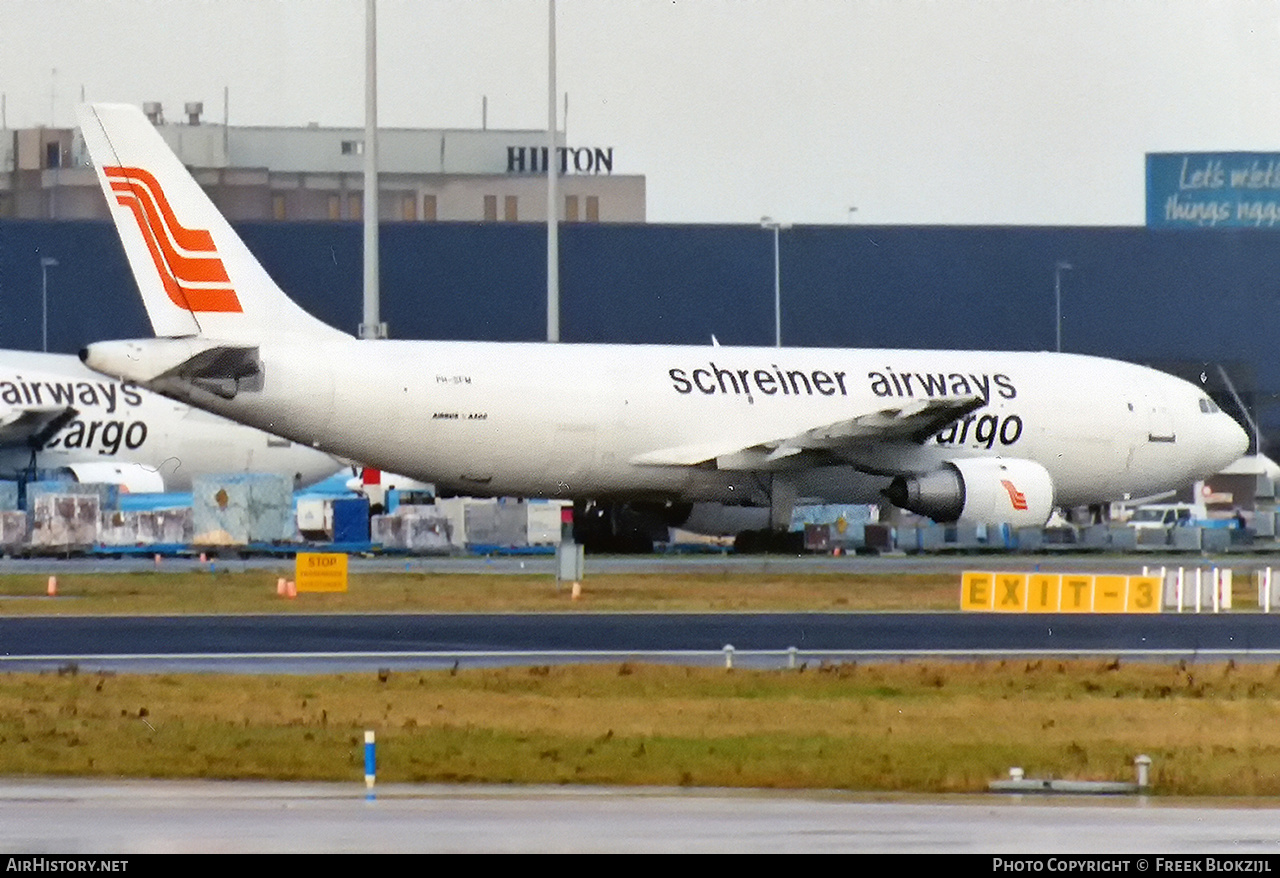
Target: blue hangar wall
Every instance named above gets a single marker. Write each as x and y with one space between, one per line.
1184 300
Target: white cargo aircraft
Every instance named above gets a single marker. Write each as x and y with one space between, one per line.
57 415
967 436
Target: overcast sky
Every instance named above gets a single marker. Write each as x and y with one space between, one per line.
912 111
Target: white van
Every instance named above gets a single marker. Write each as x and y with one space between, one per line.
1164 515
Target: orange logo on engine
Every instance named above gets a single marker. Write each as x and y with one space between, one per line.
1016 497
195 279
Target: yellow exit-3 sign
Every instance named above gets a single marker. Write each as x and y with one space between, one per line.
987 591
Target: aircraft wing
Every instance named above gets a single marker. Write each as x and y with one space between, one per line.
32 426
914 421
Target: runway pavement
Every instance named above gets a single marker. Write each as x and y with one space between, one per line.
332 642
119 818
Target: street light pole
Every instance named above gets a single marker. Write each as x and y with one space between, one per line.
46 262
769 223
1057 300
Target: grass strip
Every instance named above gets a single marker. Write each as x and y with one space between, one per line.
255 592
1211 729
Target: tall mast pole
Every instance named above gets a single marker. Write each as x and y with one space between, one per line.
553 199
372 327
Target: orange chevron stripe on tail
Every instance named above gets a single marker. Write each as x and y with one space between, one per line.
195 279
1016 497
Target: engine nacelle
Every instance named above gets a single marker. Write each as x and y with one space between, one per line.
134 478
978 490
719 519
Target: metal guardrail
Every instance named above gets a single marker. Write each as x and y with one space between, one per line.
929 538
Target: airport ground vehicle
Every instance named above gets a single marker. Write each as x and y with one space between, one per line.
1163 515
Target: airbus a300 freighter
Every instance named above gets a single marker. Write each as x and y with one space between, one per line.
967 436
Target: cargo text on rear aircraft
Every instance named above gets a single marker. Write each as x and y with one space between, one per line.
713 379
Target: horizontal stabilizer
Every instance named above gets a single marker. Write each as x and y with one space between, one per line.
222 369
33 426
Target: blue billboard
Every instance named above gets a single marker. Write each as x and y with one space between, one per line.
1205 190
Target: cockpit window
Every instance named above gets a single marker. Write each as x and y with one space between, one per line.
1208 406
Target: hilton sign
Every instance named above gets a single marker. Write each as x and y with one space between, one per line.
578 159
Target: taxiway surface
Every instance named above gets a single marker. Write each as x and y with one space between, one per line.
140 817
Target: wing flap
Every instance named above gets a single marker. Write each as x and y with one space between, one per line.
915 421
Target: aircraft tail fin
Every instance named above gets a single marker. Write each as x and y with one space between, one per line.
195 275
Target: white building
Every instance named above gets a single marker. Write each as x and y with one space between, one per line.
314 173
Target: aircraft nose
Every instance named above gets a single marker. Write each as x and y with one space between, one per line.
1230 441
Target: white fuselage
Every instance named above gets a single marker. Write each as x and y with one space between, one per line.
120 424
630 421
566 420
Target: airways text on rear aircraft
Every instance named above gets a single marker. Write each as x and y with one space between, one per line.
19 392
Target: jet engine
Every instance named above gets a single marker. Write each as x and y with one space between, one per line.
978 491
135 478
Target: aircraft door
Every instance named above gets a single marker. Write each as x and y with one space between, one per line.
1160 428
1153 448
